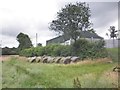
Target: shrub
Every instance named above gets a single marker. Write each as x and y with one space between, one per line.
66 51
82 48
86 49
9 51
50 49
39 51
26 52
57 50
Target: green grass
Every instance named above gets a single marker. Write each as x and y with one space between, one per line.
113 53
22 74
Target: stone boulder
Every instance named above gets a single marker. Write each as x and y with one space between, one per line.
49 59
57 59
75 59
62 60
67 60
32 59
38 59
44 59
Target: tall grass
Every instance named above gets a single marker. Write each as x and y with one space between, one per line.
113 53
22 74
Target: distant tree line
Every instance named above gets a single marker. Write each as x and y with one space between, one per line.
9 51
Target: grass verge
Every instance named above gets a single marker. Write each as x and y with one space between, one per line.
21 74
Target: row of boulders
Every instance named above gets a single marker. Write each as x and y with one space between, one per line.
49 59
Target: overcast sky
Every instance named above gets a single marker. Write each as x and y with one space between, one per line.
34 16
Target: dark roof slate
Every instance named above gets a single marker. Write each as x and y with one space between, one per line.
84 34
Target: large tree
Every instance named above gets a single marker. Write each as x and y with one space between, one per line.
24 41
72 19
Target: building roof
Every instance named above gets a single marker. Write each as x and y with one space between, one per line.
87 34
62 39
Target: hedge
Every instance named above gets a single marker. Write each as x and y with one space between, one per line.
81 48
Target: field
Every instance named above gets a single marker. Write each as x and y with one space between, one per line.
18 73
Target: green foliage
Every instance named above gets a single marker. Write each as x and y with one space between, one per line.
82 48
86 49
26 52
9 51
39 51
50 50
72 19
24 41
66 51
114 53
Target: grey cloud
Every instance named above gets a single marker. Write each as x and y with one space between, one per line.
11 31
103 13
99 8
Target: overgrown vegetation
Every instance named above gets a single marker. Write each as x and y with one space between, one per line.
91 74
82 48
113 53
9 51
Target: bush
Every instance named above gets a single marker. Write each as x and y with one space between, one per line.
27 52
49 49
66 51
57 50
82 48
86 49
39 51
9 51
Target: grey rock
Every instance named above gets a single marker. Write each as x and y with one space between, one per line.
44 60
57 59
62 60
32 59
75 59
67 60
49 59
38 59
52 60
